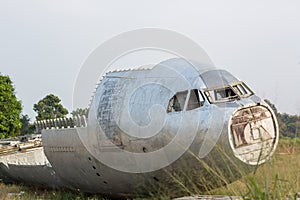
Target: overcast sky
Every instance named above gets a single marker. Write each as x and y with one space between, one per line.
44 43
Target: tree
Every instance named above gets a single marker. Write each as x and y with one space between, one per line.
10 109
80 112
49 108
288 124
27 127
281 123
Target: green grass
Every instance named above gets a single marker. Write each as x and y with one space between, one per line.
279 178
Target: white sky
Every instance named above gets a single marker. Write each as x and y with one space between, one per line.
44 43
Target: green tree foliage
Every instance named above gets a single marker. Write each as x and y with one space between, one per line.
27 127
49 108
289 125
10 109
80 112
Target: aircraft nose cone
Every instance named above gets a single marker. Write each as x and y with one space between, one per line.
253 134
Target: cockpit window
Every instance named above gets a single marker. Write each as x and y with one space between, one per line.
177 102
242 89
221 95
228 93
196 100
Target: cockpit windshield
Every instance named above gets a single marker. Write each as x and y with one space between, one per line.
228 93
242 89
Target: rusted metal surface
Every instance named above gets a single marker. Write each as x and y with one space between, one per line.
14 147
8 150
253 130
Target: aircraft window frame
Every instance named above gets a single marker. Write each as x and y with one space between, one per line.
174 102
223 92
242 89
199 98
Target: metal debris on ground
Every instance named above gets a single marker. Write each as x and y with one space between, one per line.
15 194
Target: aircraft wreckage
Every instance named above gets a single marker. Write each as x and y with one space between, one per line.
180 126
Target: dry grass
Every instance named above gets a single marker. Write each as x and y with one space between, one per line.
277 179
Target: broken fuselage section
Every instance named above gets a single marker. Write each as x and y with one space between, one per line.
179 122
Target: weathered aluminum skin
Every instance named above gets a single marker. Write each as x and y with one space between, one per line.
219 152
30 167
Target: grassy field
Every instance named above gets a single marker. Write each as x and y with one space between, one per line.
279 178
